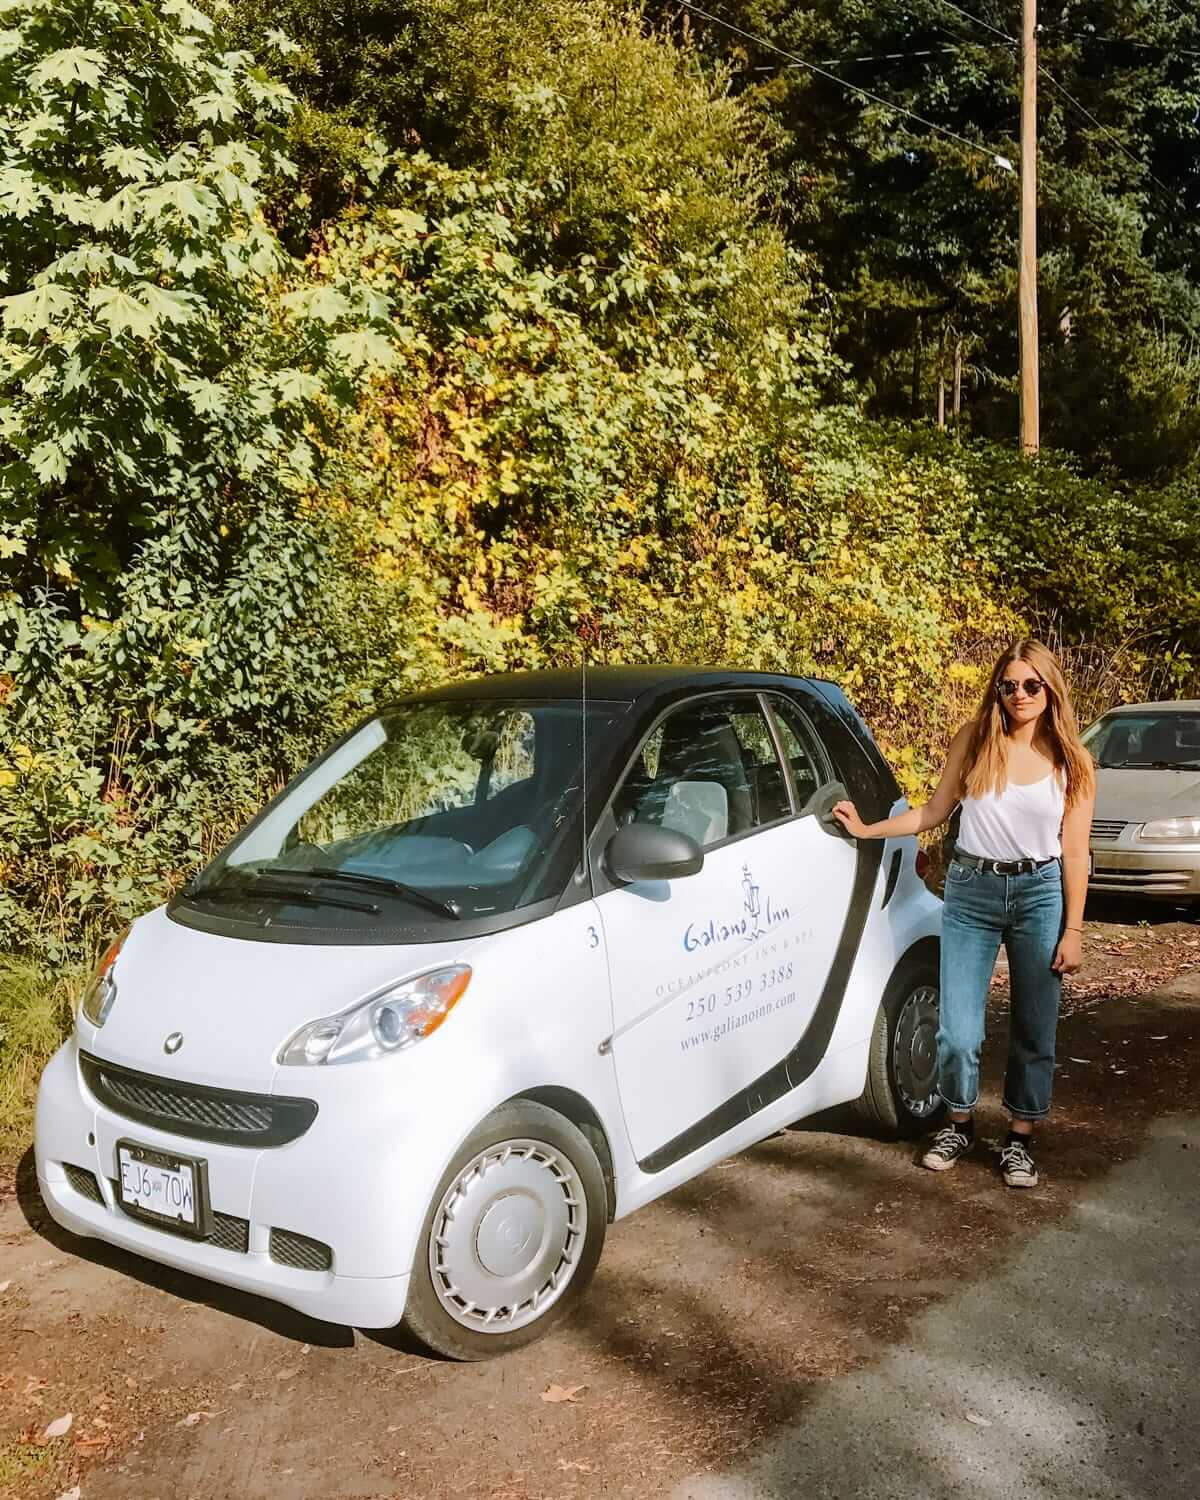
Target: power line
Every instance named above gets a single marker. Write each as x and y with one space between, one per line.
1052 31
987 25
878 56
1174 4
1086 35
853 88
1083 110
893 56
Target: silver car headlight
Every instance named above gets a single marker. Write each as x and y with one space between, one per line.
1171 830
388 1021
101 992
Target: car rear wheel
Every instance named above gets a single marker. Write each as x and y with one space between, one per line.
512 1236
900 1098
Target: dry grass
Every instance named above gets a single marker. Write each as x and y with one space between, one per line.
35 1016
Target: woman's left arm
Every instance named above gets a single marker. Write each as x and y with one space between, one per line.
1076 835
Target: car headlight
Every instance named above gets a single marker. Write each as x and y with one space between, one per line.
1171 830
388 1021
97 999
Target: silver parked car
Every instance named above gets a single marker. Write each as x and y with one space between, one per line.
1146 827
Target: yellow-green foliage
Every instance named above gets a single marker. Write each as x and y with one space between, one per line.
611 421
35 1011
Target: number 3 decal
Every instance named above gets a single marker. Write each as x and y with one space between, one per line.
593 938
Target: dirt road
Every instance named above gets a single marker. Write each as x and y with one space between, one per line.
719 1317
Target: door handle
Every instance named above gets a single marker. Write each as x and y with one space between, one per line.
822 803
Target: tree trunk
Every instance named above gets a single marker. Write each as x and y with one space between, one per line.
958 364
914 399
941 396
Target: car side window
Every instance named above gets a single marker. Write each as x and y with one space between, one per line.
809 763
709 770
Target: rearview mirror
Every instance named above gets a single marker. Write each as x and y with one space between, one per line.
643 851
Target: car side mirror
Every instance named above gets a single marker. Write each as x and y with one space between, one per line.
643 851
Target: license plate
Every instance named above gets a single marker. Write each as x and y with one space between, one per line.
169 1190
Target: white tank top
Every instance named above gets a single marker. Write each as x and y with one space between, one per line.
1019 822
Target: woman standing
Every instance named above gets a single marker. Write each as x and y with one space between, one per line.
1019 876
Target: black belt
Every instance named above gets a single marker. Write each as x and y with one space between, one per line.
1003 866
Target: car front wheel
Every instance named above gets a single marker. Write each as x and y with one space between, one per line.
900 1098
512 1236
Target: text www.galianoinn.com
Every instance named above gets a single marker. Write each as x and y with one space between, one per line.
733 1023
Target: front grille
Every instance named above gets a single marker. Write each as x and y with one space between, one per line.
195 1110
292 1249
1107 830
1147 882
230 1233
83 1182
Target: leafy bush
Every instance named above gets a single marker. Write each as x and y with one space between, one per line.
566 392
166 375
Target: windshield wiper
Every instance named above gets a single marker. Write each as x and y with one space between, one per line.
239 890
386 883
369 882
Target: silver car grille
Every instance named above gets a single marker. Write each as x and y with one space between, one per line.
1107 830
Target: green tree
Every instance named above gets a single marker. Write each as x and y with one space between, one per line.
915 231
147 379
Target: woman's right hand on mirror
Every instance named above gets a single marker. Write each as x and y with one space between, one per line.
847 815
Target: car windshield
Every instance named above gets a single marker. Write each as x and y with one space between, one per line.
1160 741
437 810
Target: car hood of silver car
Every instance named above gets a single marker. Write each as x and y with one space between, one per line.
1138 794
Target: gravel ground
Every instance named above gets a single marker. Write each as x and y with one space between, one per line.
720 1318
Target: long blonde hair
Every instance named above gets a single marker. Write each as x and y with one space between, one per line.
986 768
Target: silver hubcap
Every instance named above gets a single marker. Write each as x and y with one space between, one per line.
914 1052
507 1236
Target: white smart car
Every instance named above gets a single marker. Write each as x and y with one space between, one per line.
507 962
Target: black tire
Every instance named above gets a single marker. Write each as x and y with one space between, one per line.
552 1151
884 1104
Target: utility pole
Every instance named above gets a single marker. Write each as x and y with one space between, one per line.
1027 271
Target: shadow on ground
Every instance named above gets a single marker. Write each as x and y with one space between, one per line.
722 1316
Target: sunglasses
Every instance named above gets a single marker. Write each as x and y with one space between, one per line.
1031 687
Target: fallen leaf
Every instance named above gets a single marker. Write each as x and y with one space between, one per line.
973 1416
562 1392
59 1427
193 1417
289 1373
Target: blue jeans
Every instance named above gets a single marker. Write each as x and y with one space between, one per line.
1025 912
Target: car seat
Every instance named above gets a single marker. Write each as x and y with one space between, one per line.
700 746
698 808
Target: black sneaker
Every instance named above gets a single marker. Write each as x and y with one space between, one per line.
951 1142
1017 1165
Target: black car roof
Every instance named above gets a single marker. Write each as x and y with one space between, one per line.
612 684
